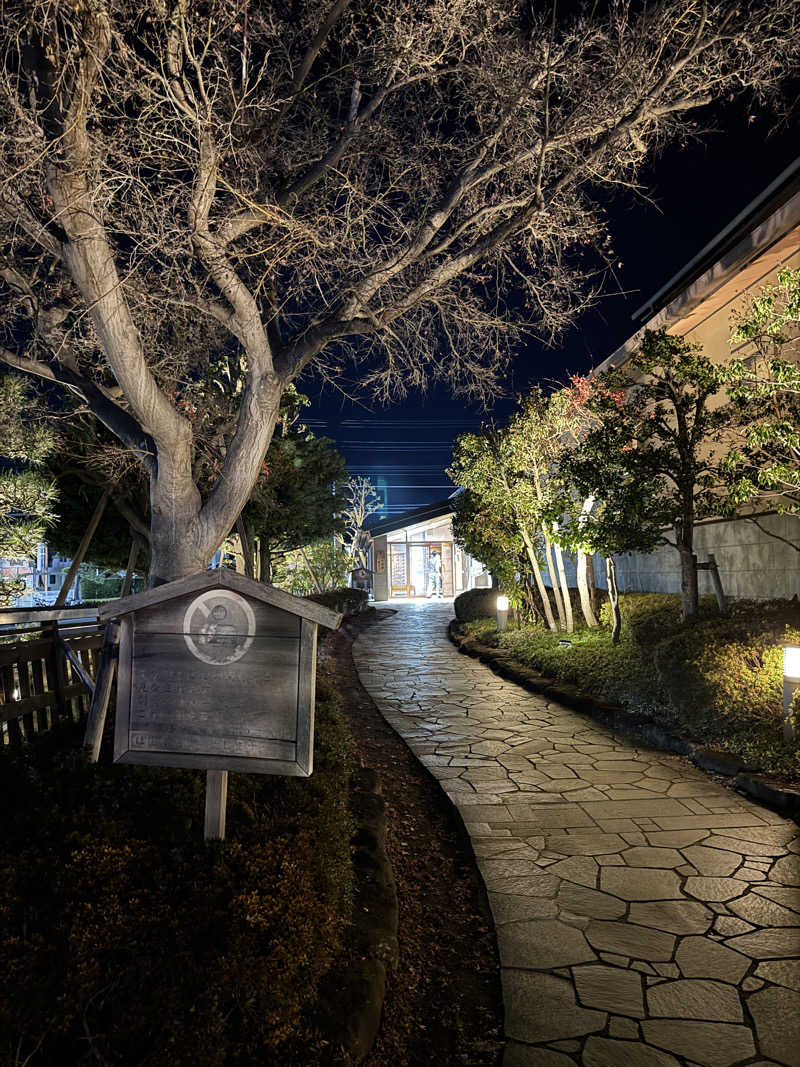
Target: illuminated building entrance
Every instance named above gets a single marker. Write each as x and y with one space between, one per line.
415 556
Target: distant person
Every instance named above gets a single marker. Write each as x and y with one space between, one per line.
435 574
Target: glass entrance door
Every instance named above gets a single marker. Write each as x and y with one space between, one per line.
418 570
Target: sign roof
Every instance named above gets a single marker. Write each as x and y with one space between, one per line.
222 579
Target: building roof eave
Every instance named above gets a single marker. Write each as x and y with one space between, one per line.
439 509
761 235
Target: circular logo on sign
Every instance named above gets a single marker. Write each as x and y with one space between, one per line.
219 627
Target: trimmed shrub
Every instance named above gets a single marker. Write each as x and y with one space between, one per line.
345 601
125 939
475 604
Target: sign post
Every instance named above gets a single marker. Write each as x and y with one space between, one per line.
216 805
217 672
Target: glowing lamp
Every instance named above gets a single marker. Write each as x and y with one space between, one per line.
502 613
791 663
791 680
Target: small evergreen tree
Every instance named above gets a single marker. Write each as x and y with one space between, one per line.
487 465
298 499
492 537
654 457
27 496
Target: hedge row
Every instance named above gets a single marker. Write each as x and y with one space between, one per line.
345 601
125 939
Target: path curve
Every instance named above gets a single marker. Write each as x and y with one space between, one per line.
646 916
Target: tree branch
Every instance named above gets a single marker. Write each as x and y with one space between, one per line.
116 419
307 63
246 314
776 536
87 255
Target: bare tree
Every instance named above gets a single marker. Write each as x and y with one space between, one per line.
363 500
385 183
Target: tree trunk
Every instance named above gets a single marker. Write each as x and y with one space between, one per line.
531 607
174 556
583 590
314 578
689 592
562 577
553 574
177 544
719 592
247 548
537 575
593 591
129 571
265 572
185 532
613 596
586 586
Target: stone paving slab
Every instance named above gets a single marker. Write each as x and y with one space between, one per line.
646 915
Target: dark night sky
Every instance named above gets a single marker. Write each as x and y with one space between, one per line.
697 190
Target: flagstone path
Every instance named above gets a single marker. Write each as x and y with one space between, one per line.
646 916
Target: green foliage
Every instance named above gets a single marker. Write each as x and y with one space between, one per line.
100 586
346 601
774 314
765 388
124 938
23 433
111 541
516 505
489 534
497 517
475 604
27 497
314 568
299 497
794 710
717 678
651 456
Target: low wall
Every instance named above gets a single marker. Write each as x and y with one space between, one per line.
752 564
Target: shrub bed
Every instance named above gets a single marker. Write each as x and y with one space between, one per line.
475 604
718 678
345 601
125 939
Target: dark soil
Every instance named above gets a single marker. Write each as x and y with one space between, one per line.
443 1002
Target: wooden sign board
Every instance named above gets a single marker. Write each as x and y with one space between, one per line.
217 672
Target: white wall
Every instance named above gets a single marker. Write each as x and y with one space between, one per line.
752 564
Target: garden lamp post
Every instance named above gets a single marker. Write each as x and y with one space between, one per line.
502 613
791 680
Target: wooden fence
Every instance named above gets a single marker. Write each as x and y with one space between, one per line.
48 662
